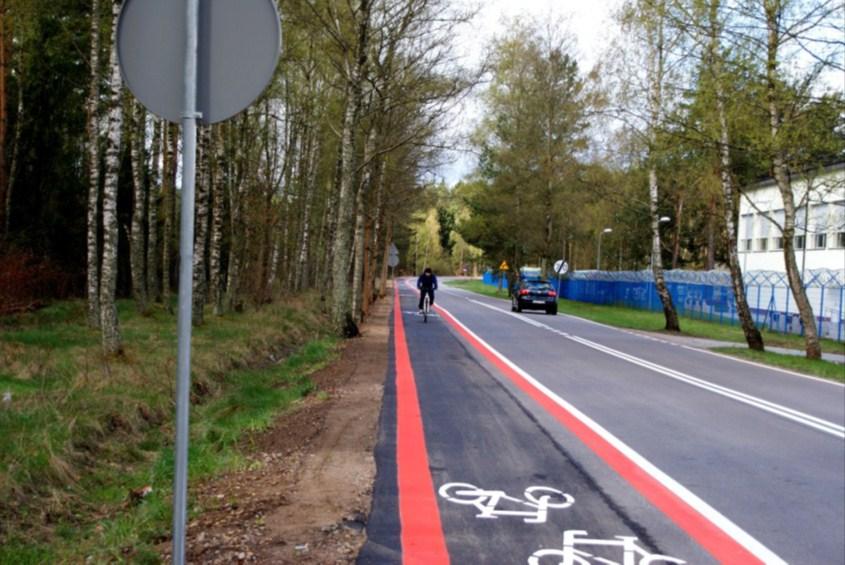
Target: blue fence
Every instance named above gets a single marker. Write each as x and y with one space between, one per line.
708 295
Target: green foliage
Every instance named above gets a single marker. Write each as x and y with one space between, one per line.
446 224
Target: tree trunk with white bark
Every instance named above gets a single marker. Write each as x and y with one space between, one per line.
93 155
201 233
109 325
655 101
137 242
774 13
342 308
749 329
153 197
215 153
168 197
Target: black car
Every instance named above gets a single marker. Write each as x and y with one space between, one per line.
534 294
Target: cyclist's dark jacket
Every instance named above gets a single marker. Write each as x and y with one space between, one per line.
427 282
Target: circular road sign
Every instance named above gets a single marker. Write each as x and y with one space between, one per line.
239 45
561 267
392 261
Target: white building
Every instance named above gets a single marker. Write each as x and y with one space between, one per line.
819 226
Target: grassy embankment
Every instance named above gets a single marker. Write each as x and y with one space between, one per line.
620 316
81 431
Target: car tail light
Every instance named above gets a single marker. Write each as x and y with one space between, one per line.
523 292
552 293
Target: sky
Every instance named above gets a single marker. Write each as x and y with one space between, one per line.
588 21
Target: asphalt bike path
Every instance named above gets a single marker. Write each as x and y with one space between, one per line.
485 481
762 447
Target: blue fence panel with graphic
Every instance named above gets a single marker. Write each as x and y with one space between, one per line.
709 295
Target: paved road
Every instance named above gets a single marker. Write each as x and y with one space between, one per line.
526 438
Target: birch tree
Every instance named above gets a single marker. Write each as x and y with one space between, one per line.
714 64
201 233
93 155
153 204
136 117
109 325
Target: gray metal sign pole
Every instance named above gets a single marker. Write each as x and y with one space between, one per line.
186 277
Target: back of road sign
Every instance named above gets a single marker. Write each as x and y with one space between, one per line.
239 45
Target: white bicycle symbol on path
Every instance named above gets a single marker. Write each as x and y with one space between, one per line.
538 499
632 554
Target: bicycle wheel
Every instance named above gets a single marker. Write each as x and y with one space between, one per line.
426 308
462 493
553 497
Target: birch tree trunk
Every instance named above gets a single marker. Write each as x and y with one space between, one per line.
201 234
109 325
325 275
752 334
774 13
359 258
214 255
153 195
656 76
168 196
342 310
303 271
137 243
93 134
386 255
359 241
237 245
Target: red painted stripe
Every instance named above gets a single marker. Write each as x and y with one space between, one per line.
421 532
712 538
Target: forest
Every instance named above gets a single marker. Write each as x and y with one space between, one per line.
340 156
305 189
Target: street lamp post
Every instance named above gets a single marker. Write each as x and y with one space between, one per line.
598 249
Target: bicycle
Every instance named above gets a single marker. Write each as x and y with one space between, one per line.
426 307
632 554
494 503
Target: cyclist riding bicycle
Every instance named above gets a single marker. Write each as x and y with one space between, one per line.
427 284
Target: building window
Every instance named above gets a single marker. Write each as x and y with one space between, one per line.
821 240
746 244
763 244
777 243
840 239
799 242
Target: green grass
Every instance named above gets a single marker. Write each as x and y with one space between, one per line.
818 368
631 318
83 430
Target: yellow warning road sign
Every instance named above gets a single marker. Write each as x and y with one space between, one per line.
504 266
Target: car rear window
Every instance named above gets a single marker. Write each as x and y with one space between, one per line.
538 286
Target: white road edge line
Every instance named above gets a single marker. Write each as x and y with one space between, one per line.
714 516
771 407
762 366
692 348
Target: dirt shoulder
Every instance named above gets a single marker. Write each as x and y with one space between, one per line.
306 493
